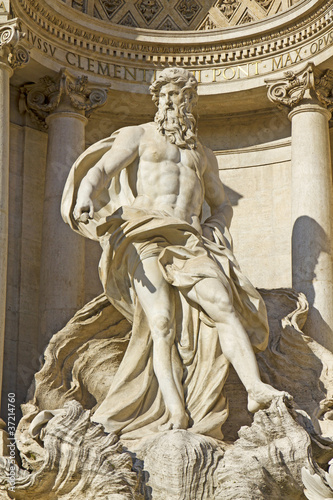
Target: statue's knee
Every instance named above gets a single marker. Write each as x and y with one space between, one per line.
160 326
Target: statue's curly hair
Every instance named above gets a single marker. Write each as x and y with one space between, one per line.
179 76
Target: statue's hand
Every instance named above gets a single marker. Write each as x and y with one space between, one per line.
84 210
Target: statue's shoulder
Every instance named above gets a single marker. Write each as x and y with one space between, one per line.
210 156
206 150
209 161
133 132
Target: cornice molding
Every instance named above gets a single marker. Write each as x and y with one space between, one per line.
192 15
50 22
111 51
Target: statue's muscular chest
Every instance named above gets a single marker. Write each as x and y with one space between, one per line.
167 169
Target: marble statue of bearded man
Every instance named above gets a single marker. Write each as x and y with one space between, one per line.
140 193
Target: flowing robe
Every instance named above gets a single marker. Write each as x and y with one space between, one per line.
134 405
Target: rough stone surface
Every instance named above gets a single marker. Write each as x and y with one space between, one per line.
76 460
266 460
66 457
178 464
272 449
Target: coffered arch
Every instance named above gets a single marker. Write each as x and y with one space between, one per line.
181 15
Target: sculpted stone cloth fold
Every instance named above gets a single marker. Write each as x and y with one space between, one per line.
134 405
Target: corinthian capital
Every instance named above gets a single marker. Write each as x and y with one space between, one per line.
12 51
71 92
308 85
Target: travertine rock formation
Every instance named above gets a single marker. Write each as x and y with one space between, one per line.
71 458
258 460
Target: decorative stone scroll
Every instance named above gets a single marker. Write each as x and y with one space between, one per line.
42 98
306 84
11 49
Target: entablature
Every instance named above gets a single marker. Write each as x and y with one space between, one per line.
222 60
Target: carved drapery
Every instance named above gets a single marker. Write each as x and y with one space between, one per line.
308 95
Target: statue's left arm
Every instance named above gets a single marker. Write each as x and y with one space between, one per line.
221 209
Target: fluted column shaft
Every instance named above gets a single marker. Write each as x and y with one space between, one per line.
60 104
5 74
62 265
12 55
309 96
311 207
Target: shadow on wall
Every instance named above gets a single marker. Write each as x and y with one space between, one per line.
309 242
233 196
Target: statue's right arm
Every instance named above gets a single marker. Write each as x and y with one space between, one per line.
124 151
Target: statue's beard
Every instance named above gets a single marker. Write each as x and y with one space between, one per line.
178 125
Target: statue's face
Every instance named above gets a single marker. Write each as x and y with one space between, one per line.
170 97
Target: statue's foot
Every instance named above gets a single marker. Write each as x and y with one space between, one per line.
177 421
262 395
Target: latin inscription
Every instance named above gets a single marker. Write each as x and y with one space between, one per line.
4 6
207 76
41 44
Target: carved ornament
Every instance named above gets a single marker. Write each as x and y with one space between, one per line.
148 9
228 7
306 84
11 50
184 14
111 6
42 98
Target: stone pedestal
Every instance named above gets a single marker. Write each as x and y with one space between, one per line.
62 106
307 94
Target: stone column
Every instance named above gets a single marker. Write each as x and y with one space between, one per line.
12 55
308 96
62 105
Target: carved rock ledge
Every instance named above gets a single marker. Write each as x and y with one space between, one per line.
67 457
77 461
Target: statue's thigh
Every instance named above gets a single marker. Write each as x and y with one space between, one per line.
154 293
213 297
